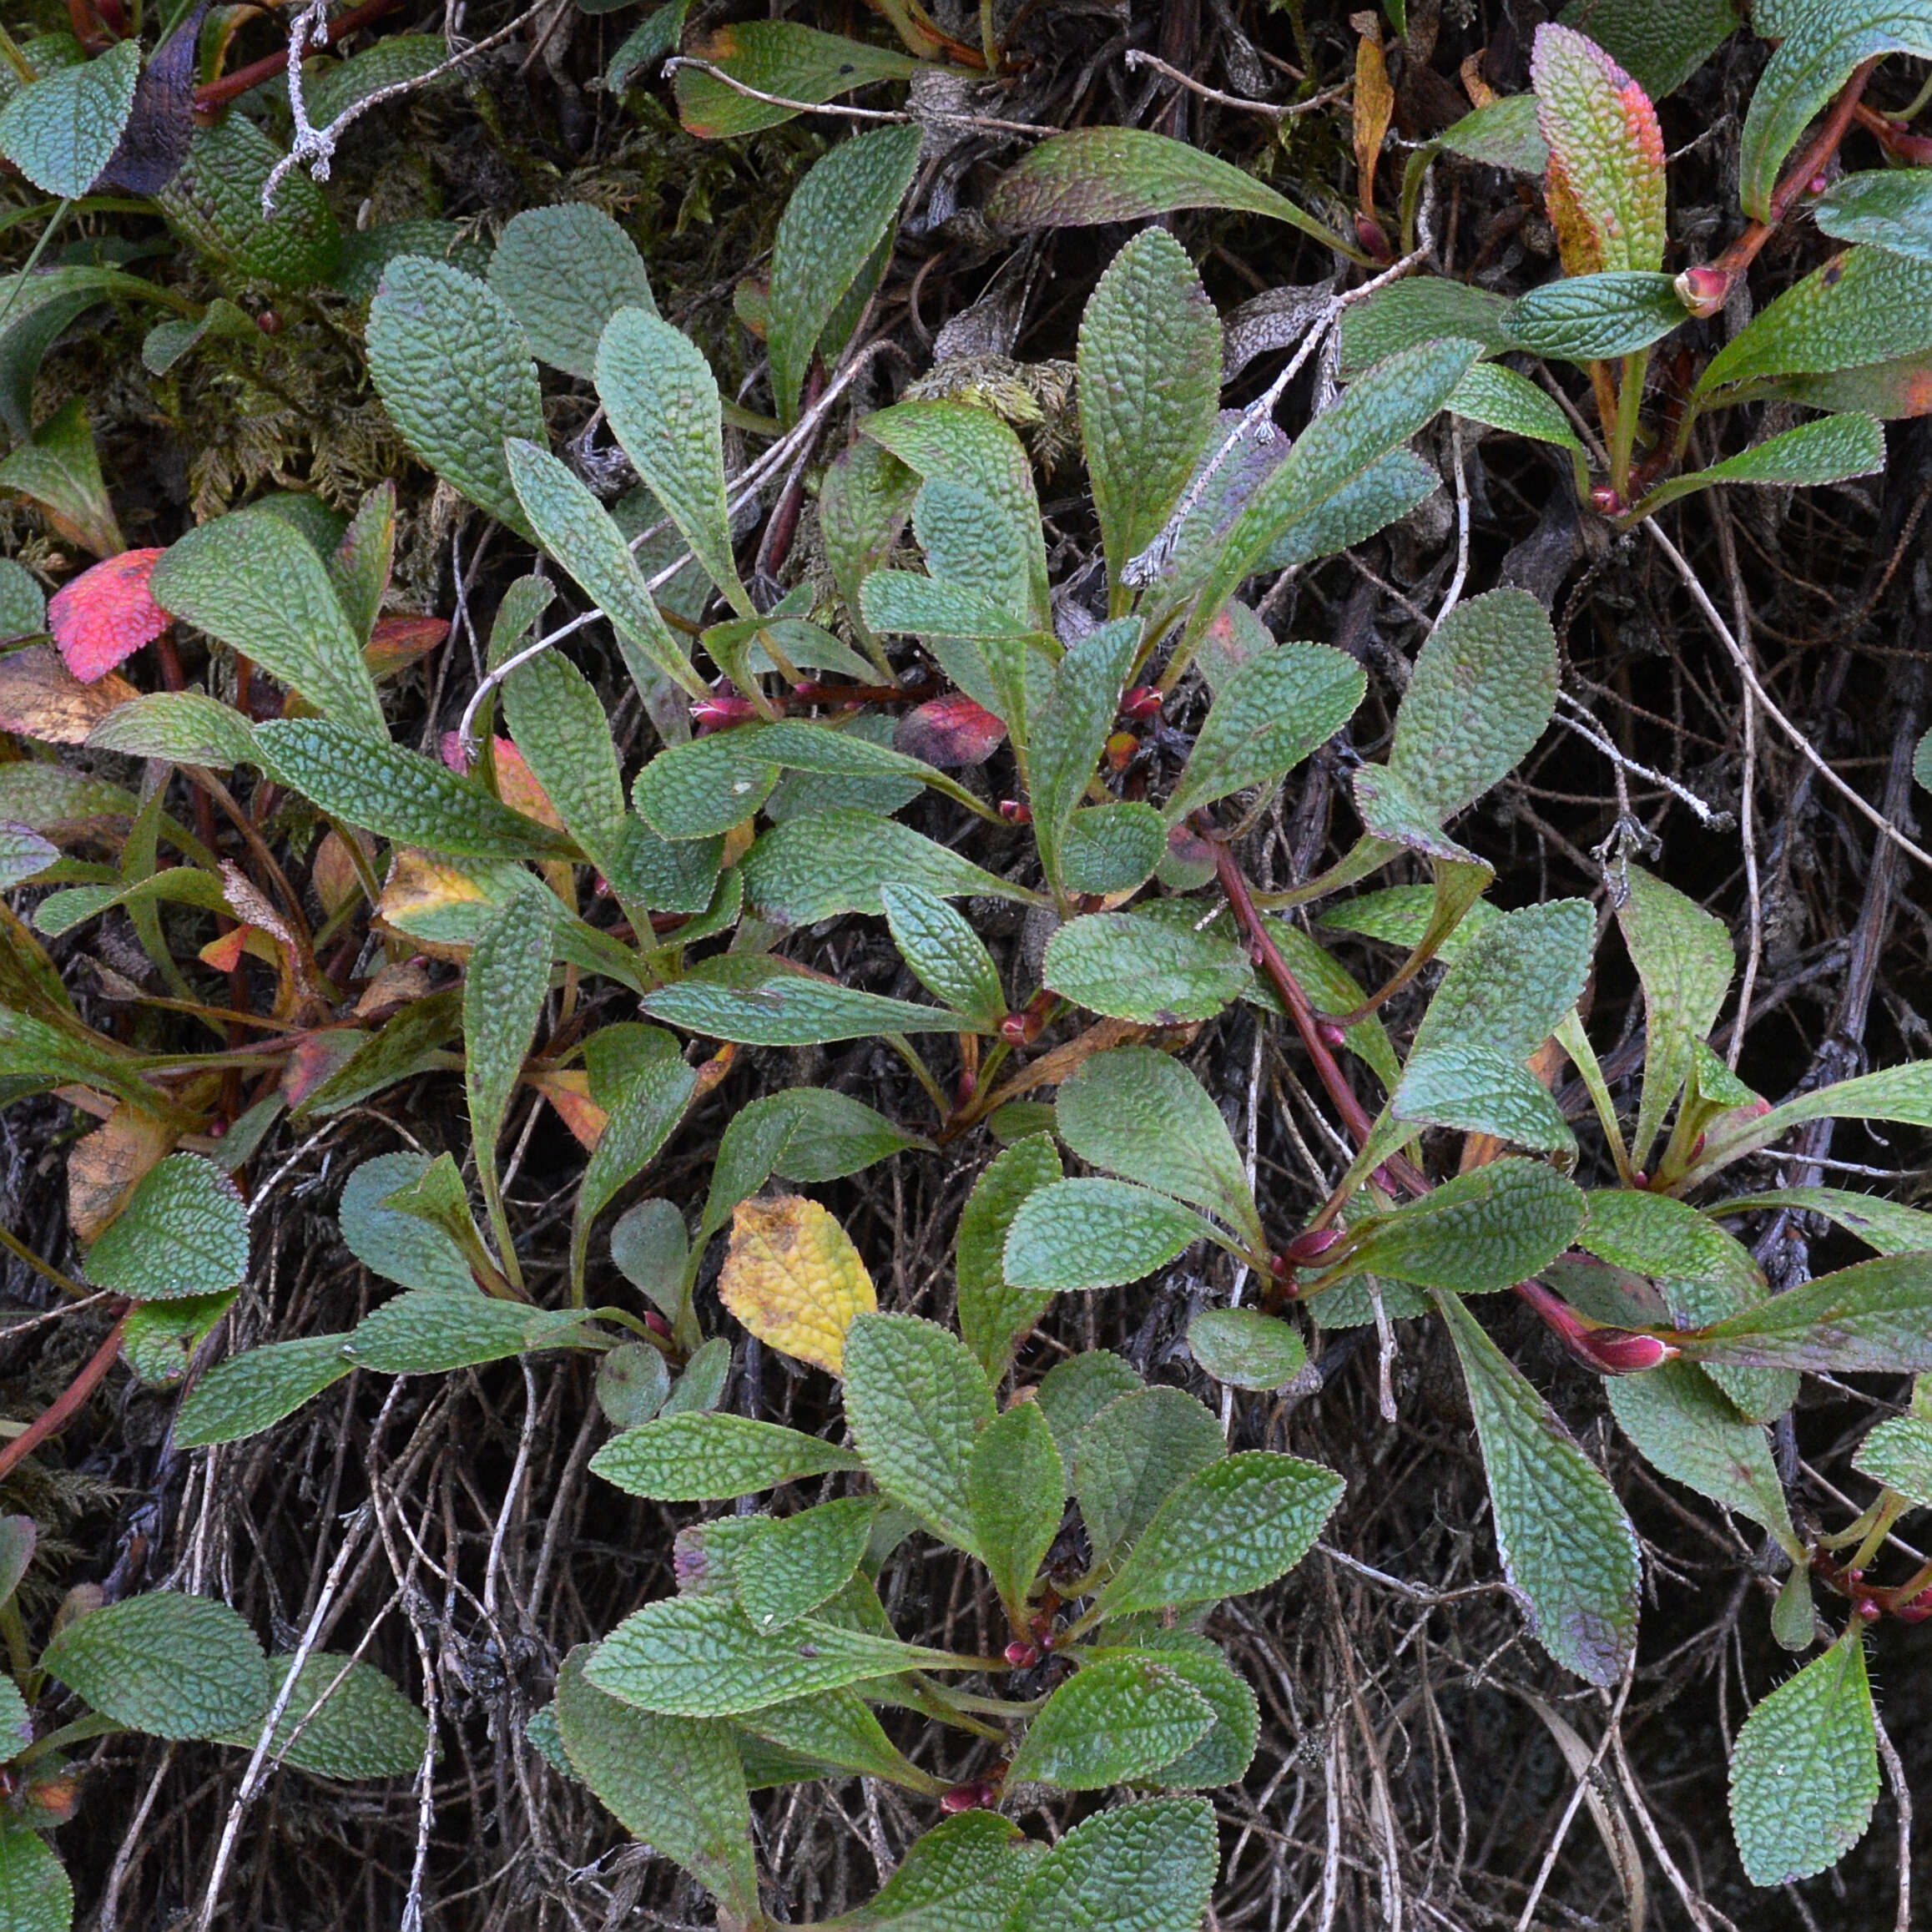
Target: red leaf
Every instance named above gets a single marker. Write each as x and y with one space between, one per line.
106 614
950 731
516 783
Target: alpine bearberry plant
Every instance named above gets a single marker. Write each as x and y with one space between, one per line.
859 742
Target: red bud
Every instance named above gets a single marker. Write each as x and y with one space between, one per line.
1620 1352
1704 289
1013 1029
968 1797
718 712
1120 750
1022 1655
1015 812
1142 701
1867 1609
1370 234
1330 1033
1309 1245
268 322
1917 1611
1605 501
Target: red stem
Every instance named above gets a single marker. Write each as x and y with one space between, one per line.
214 93
1744 250
62 1410
1235 884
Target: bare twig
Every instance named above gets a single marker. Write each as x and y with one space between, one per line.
1272 110
1810 753
943 117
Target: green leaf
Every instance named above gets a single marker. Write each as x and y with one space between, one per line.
994 1316
1864 306
578 532
796 1562
631 1384
1569 1555
1826 451
1375 415
1683 958
1888 1226
790 1010
61 131
1875 1318
1685 1428
340 84
184 1231
1503 133
1489 393
452 365
360 1727
1113 848
1605 184
174 1666
961 445
1419 309
253 1391
1889 207
1246 1348
1804 1770
36 1894
564 272
699 1656
1076 1390
710 1458
959 1877
1584 317
1821 46
505 984
699 1388
642 1117
559 725
1139 1867
835 1729
917 1402
1223 1755
1479 695
426 1332
674 1783
1663 42
650 1248
1101 174
1232 1527
61 470
256 583
1134 1111
835 220
1150 378
1898 1454
1484 1230
708 786
1073 1235
1119 1719
946 956
1130 1458
812 869
400 794
1669 1240
1016 1491
22 853
901 603
1067 736
1511 984
661 399
1266 719
1901 1093
776 56
1153 970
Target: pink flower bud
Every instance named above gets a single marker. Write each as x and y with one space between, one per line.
1309 1243
1142 701
1022 1655
1704 289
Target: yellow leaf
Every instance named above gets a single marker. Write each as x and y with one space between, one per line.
795 1279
